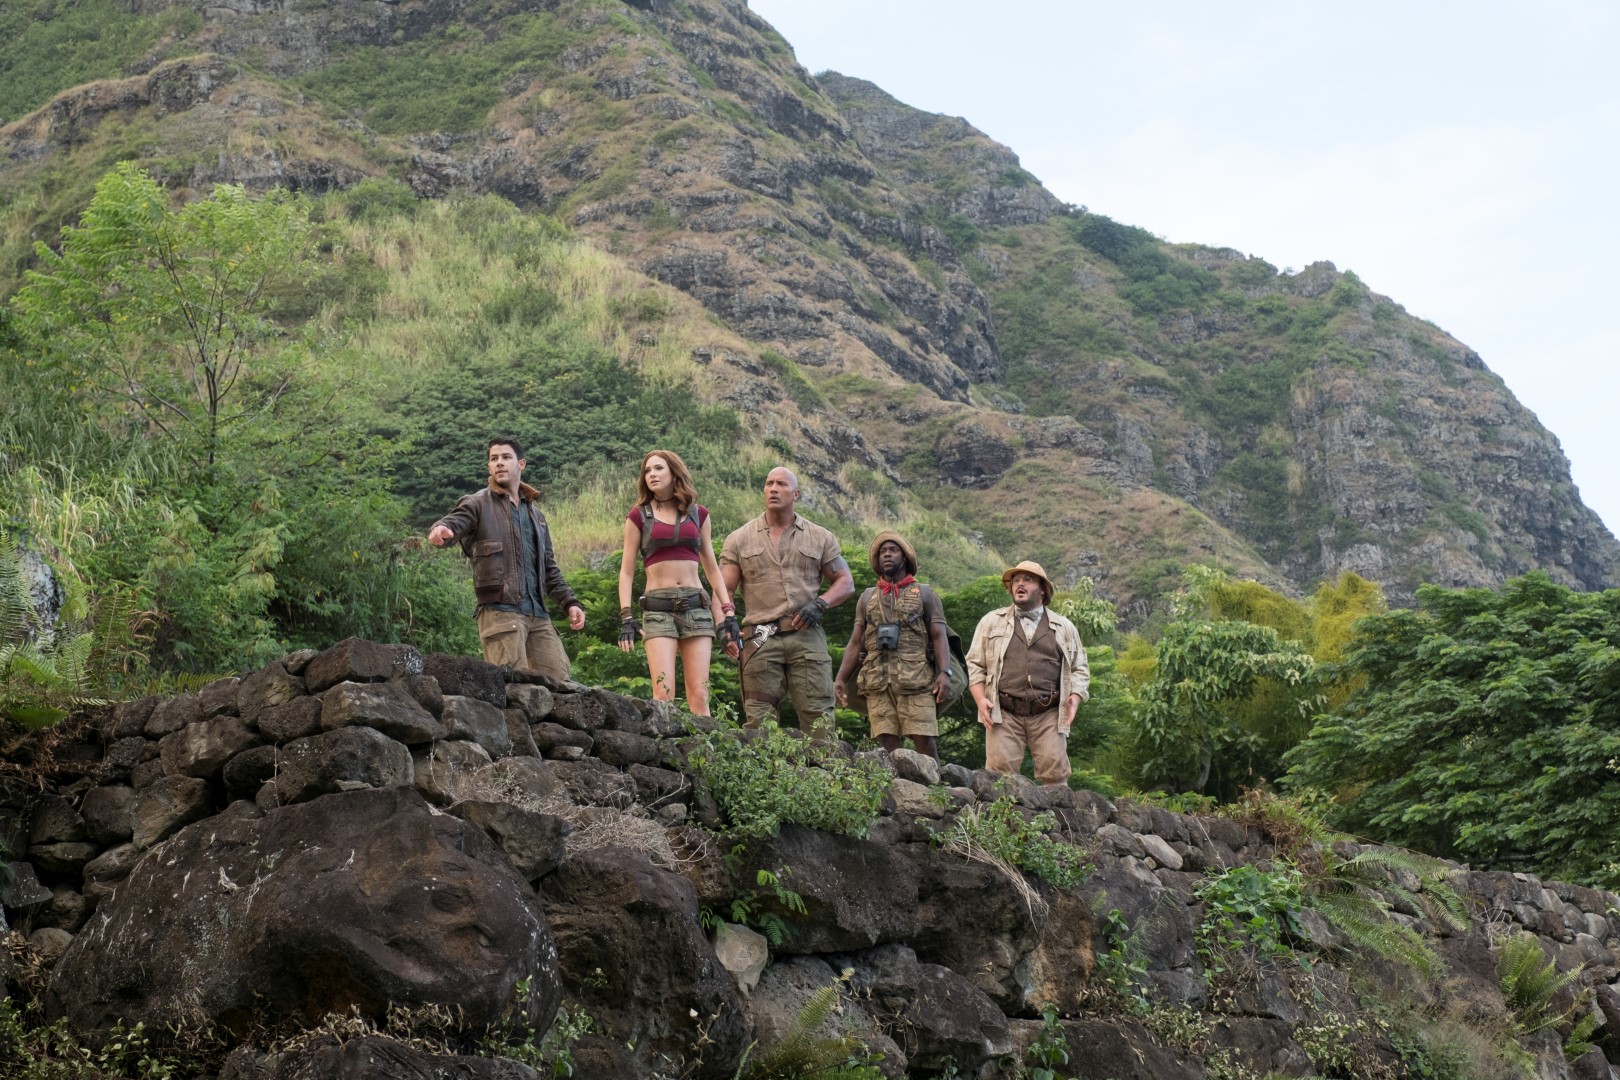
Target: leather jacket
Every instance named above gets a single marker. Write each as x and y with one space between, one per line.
482 524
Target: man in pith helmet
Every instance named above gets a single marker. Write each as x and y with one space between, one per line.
900 646
1027 672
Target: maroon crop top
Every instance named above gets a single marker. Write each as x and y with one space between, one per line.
664 545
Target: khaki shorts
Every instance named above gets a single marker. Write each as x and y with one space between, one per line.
693 622
901 714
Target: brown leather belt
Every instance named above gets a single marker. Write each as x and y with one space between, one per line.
1022 707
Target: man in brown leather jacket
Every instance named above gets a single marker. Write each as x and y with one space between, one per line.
503 532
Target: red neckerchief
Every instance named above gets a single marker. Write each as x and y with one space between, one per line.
885 586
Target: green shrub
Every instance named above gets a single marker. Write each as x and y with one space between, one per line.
1001 832
1249 911
793 380
767 777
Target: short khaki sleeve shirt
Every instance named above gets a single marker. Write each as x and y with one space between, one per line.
779 579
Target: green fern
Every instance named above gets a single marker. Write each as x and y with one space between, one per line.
1531 984
802 1054
39 684
1579 1041
1355 896
1365 923
1435 897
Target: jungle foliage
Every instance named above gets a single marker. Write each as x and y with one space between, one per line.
1487 730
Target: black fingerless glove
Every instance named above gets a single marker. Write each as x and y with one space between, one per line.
730 632
812 612
629 630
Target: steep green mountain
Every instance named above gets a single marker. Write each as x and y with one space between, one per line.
899 307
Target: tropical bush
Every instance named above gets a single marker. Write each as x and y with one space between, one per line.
767 777
1487 730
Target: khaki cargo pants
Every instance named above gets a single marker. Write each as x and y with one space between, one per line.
523 642
1004 746
796 664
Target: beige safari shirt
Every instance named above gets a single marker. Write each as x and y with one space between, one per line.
777 580
989 649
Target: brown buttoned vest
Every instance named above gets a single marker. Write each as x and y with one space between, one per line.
1030 670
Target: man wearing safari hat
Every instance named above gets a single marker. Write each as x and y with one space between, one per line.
896 623
1027 672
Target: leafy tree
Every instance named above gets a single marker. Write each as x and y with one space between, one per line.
162 390
168 312
1488 729
1224 692
1184 730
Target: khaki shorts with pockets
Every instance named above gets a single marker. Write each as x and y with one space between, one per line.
693 622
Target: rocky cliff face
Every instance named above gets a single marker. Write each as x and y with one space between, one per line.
1071 388
362 862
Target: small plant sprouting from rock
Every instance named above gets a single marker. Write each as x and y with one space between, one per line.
1050 1049
1249 912
1532 985
553 1054
803 1054
748 910
1122 966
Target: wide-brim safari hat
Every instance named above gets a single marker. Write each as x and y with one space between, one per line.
1029 567
905 549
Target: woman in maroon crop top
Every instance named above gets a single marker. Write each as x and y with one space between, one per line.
669 532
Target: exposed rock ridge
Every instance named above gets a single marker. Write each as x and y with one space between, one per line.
853 234
283 846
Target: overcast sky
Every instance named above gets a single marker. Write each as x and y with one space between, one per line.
1461 158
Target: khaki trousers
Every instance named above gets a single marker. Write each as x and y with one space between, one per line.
1004 746
796 664
523 643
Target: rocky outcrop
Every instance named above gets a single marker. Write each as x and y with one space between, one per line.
852 235
475 888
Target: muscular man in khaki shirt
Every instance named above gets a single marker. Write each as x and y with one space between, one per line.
777 564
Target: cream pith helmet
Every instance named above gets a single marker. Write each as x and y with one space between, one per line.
1029 566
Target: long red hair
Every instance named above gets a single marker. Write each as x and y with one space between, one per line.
685 494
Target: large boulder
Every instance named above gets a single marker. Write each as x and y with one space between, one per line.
951 1022
636 960
477 720
447 771
534 842
203 748
1005 913
856 893
467 676
360 900
264 690
165 805
388 707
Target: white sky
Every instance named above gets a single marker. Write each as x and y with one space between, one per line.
1461 158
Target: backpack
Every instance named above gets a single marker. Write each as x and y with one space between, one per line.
955 684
